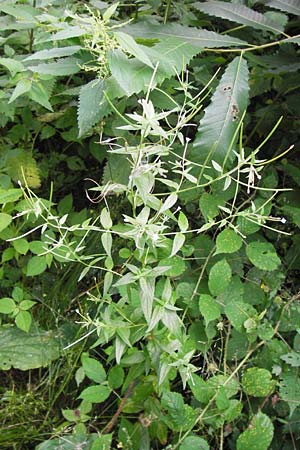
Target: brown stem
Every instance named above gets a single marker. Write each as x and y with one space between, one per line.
114 418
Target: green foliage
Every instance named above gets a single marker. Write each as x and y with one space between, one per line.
141 224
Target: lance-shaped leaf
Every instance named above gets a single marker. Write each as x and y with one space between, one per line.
194 36
147 286
90 105
218 127
240 14
289 6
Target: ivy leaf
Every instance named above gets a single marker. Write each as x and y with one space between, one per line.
263 255
216 133
95 394
219 277
209 309
289 6
259 434
240 14
258 382
228 241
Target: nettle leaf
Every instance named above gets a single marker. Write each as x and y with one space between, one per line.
259 434
209 309
129 45
216 133
289 390
228 241
219 277
12 65
39 94
291 358
26 351
194 443
289 6
54 53
61 68
263 255
240 14
258 382
196 37
23 86
92 105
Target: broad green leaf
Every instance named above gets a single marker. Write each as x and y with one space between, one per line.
258 382
228 241
180 416
10 195
291 358
92 105
39 94
21 246
289 390
219 277
95 394
7 305
263 255
259 434
209 308
216 133
238 313
23 86
5 220
23 320
93 368
76 441
129 45
54 53
27 13
63 67
289 6
27 351
102 443
116 377
194 443
12 65
36 265
176 266
240 14
209 205
67 33
197 37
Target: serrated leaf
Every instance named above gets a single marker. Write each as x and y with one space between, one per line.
215 136
129 45
23 86
239 14
95 394
27 351
258 382
219 277
209 308
289 6
54 53
63 67
291 358
197 37
5 220
228 241
92 105
12 65
39 94
259 434
289 390
263 255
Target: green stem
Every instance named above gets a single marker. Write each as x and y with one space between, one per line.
167 11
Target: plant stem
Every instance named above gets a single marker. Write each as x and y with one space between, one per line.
167 11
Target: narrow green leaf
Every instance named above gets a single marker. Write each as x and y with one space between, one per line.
21 88
63 67
289 6
129 45
240 14
12 65
54 53
197 37
218 127
39 94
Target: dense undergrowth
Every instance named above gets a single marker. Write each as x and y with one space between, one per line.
149 186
